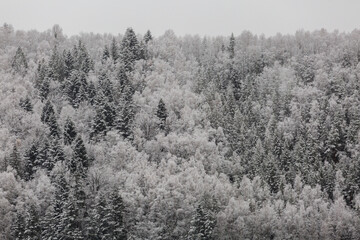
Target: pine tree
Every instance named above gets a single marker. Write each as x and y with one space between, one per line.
126 113
117 210
14 161
44 89
68 63
70 222
32 224
26 104
56 66
114 50
147 36
202 224
69 131
162 114
30 161
56 154
231 47
106 54
18 226
79 163
19 63
53 225
130 50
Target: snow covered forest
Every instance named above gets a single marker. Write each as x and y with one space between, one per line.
179 137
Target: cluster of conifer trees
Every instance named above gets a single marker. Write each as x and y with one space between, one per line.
130 137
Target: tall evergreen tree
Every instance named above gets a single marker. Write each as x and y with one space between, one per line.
231 47
130 50
30 161
69 131
26 104
162 114
147 37
114 50
19 63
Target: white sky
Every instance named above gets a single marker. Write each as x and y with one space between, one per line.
204 17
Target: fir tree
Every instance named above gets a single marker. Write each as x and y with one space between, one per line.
114 50
69 131
79 163
130 50
18 226
162 114
106 54
26 104
231 47
19 63
14 161
30 161
68 63
202 224
147 36
32 224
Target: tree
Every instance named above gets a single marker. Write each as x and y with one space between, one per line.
79 163
162 114
18 226
26 104
14 160
147 36
130 50
32 224
19 63
231 47
30 161
69 131
203 223
114 51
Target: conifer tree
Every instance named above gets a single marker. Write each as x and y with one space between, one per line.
69 131
68 63
32 224
44 89
231 47
26 104
162 114
30 161
106 54
19 63
56 66
14 160
202 224
130 49
18 226
147 36
79 163
114 50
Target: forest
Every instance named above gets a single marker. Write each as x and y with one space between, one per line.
132 136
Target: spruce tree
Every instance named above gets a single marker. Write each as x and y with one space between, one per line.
130 50
69 131
68 63
14 161
32 224
106 54
19 63
30 161
79 163
114 50
18 226
231 47
26 104
147 36
162 114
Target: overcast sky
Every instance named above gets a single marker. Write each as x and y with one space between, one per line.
204 17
